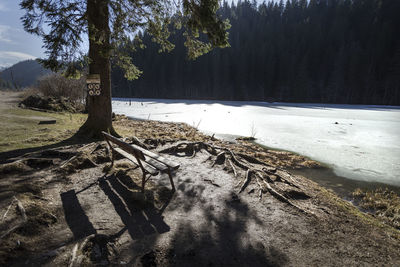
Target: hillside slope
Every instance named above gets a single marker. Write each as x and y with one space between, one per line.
21 74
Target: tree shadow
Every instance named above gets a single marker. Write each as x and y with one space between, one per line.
223 240
76 139
140 218
75 216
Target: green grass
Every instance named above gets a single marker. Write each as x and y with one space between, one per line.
19 128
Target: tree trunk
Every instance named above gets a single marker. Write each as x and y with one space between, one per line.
99 107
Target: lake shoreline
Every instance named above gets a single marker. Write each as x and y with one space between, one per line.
359 142
326 177
324 174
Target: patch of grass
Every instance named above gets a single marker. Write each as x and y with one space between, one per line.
384 203
19 128
157 130
349 208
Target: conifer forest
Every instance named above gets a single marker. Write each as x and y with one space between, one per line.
325 51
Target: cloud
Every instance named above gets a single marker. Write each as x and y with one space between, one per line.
3 7
8 58
15 55
3 33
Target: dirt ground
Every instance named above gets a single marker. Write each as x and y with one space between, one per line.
65 206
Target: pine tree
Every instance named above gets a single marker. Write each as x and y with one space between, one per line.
109 25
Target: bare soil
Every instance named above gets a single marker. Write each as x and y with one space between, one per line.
65 206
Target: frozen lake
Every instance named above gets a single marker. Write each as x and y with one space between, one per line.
358 142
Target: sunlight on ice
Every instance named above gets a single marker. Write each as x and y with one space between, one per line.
359 142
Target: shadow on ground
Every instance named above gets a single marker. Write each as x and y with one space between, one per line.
8 156
140 218
201 230
75 216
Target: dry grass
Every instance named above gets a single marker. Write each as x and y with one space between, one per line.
349 209
382 203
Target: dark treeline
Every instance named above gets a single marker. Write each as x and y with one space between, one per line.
331 51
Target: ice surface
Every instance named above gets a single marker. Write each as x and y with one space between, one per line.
359 142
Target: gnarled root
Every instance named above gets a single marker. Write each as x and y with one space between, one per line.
246 180
190 149
265 175
275 193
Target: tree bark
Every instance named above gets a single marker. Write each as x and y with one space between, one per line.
99 107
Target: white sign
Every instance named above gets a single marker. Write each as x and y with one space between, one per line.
93 84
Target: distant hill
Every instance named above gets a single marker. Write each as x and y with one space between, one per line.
21 74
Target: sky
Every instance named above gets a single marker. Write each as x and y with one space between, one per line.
16 44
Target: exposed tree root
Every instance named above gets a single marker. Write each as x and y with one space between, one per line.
267 177
246 181
73 256
219 159
92 131
233 168
136 141
190 148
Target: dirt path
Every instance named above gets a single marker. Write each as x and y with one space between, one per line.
9 99
104 218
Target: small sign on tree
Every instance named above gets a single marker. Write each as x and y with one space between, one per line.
93 84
